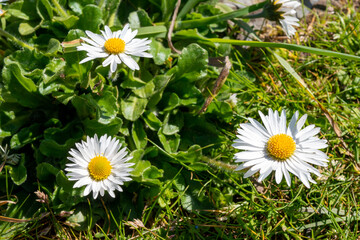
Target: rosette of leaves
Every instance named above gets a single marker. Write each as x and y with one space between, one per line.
49 101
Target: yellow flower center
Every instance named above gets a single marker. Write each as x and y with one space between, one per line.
99 168
114 45
281 146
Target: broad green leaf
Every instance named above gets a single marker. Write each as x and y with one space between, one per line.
139 135
85 106
167 8
192 62
145 172
15 122
152 174
72 131
21 87
26 136
132 83
18 173
197 130
78 5
133 107
160 81
48 8
222 110
53 47
67 194
159 52
109 8
173 102
53 70
107 107
68 21
172 123
50 148
26 28
192 155
138 19
45 170
62 97
93 126
146 91
90 18
81 218
152 31
18 14
63 181
170 143
199 166
152 121
74 69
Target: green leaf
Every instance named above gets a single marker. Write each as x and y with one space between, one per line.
192 155
152 31
192 61
90 18
173 123
288 46
62 97
173 102
221 110
45 170
48 7
53 69
18 173
138 19
77 5
26 29
21 87
170 143
152 121
74 69
107 107
26 136
139 135
109 8
18 14
133 107
85 106
81 218
159 52
50 148
63 181
146 91
167 8
93 126
53 47
68 21
151 174
145 172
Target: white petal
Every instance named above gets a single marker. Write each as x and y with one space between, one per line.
129 62
96 37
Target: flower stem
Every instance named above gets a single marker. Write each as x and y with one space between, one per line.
59 9
14 39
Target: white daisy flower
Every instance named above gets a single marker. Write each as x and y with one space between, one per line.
117 47
287 16
100 165
278 148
